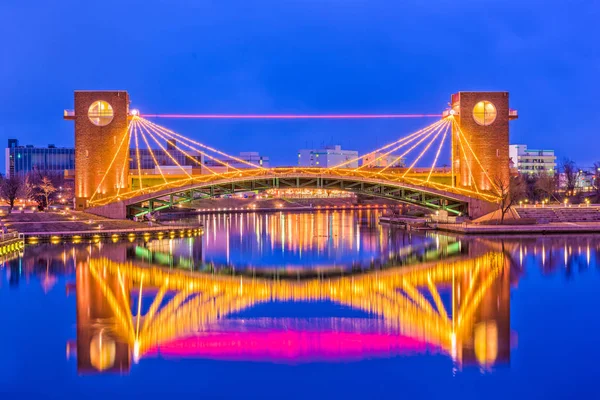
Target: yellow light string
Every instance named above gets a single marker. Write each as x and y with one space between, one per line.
125 161
204 146
206 179
423 138
466 160
139 308
137 153
437 155
419 134
171 136
437 134
476 158
168 136
113 160
437 299
152 153
168 153
387 146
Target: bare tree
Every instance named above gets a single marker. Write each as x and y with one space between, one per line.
511 190
10 189
596 180
46 188
546 185
570 171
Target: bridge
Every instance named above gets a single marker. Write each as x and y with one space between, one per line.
128 165
127 313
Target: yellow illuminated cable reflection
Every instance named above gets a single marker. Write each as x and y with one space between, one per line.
398 296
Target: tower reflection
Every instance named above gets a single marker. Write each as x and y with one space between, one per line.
126 313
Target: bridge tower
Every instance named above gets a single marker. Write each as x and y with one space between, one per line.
483 119
101 122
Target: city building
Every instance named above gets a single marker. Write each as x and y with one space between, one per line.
528 161
381 160
585 180
240 161
21 160
329 156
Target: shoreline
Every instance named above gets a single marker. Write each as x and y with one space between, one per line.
510 230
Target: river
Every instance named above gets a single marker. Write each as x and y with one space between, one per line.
297 305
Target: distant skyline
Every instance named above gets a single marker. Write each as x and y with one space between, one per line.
310 56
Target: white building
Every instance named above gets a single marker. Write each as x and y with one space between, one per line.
251 157
328 156
381 160
532 161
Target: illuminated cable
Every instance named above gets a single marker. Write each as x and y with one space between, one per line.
409 150
437 134
170 136
137 153
168 153
152 153
387 146
467 161
476 158
438 151
125 163
419 134
112 161
203 145
292 116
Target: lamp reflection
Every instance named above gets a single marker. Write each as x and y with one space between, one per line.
126 312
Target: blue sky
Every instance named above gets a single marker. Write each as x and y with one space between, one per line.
306 56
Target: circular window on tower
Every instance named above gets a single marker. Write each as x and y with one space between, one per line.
100 113
484 113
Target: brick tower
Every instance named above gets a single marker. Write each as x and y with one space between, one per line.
483 119
101 121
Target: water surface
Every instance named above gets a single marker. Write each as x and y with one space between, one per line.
322 305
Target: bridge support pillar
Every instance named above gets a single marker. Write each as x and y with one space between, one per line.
479 208
101 144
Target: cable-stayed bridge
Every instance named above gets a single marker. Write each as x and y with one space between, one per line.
467 146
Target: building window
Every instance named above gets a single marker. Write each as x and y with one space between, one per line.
484 113
100 113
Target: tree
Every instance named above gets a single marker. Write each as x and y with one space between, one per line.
511 190
46 188
546 185
10 189
570 172
596 180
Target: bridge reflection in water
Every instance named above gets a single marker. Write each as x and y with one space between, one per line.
126 313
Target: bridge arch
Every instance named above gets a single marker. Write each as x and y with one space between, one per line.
391 186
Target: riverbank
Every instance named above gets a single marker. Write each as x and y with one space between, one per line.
10 243
540 229
77 226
